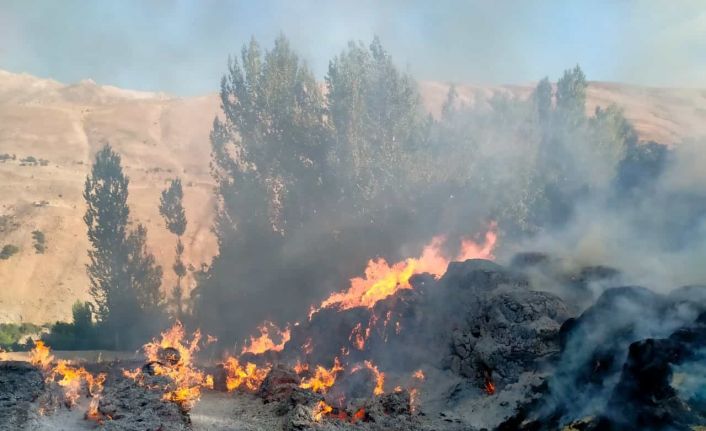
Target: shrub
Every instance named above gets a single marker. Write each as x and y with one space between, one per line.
8 250
81 334
11 334
39 241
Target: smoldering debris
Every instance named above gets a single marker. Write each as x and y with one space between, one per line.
484 346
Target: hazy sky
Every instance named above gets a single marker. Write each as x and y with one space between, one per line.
181 47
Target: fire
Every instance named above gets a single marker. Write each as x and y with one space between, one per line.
40 356
323 378
72 379
357 337
419 375
248 376
381 279
414 399
489 386
320 410
379 376
358 416
172 356
264 343
301 367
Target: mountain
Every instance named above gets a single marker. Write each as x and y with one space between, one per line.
160 136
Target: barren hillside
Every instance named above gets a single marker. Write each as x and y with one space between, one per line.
159 137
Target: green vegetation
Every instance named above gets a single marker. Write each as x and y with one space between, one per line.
172 211
124 277
11 334
39 241
81 334
33 161
8 251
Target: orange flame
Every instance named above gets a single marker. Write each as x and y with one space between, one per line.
264 343
322 379
71 378
381 279
40 355
320 410
419 375
357 337
379 376
179 367
489 386
248 376
301 367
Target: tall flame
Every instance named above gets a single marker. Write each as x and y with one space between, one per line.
40 356
382 279
172 356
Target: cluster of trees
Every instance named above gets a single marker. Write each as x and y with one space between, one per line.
313 180
128 304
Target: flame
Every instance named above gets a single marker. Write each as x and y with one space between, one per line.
301 367
179 367
381 279
308 347
489 386
323 378
358 416
419 375
264 343
357 337
40 355
379 376
413 399
320 410
248 376
72 379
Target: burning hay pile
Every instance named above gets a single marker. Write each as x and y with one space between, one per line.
409 346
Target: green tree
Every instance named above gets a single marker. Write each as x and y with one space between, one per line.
273 144
107 213
172 210
571 96
123 275
378 121
542 99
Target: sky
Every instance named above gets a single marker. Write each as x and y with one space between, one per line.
181 47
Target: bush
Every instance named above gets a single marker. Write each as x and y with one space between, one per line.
8 251
11 334
39 241
81 334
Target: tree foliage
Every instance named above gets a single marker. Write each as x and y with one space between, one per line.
124 277
172 210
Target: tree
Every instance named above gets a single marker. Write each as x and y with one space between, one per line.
123 275
378 121
144 274
269 161
107 212
542 99
571 96
172 210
